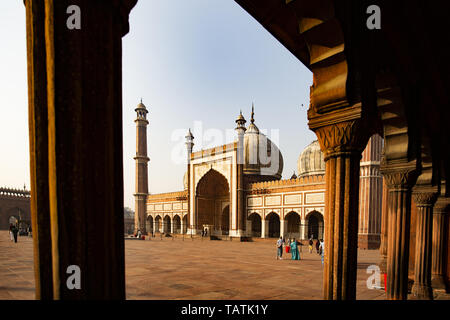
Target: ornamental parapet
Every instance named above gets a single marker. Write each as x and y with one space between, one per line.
14 193
169 196
306 180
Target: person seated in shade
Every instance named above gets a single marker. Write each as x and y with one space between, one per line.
295 255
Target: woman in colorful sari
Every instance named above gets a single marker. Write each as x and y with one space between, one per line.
294 250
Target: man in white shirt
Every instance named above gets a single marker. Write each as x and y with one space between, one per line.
280 248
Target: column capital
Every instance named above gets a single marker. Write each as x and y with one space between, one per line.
424 196
343 138
400 175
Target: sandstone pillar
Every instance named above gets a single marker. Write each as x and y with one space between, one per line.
438 243
399 178
182 226
424 199
303 229
384 228
283 227
342 144
264 228
76 160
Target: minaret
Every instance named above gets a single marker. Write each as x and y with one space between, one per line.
141 168
189 145
240 130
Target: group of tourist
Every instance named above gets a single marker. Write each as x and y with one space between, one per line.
14 232
319 246
292 246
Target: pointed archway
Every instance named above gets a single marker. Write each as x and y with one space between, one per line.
315 225
212 192
274 225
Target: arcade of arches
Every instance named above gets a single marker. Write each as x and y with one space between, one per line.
366 82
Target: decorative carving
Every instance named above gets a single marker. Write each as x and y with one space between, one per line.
401 177
342 137
425 199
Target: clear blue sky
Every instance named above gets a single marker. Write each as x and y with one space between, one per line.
195 60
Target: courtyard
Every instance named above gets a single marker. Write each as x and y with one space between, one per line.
173 268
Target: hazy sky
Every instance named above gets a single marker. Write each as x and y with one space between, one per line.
195 63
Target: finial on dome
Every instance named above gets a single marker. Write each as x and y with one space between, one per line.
294 176
240 120
252 119
189 134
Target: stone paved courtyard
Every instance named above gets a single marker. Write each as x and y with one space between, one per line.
195 269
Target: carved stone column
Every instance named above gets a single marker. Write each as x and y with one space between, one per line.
399 178
76 160
182 226
342 144
424 199
441 209
283 227
384 228
264 228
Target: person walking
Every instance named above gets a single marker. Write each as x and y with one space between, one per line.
11 236
317 246
15 231
294 250
311 242
322 248
280 248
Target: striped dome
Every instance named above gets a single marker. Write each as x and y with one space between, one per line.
311 160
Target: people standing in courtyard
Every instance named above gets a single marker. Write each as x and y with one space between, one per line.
287 245
11 236
317 246
311 242
15 231
139 234
280 248
294 250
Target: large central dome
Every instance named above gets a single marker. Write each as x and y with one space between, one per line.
261 156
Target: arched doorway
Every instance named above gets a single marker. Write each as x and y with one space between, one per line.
167 224
315 225
293 224
212 192
225 226
158 224
274 225
149 225
256 224
176 224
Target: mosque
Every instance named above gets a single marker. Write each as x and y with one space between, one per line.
236 190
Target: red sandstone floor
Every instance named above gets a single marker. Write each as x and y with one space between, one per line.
196 269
